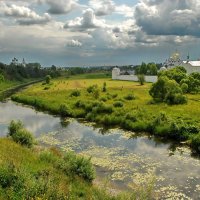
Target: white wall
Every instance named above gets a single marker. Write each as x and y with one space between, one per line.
150 79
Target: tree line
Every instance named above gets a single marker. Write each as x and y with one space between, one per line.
18 71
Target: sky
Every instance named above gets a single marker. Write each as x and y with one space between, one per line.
98 32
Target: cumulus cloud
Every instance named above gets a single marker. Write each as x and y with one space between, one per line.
74 43
87 22
169 17
102 7
60 6
23 15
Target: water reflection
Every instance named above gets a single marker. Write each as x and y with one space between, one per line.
126 157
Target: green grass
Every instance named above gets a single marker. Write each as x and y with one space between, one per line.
140 107
7 84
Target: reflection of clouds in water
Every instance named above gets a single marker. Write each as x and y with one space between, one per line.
36 122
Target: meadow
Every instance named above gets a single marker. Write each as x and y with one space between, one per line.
97 98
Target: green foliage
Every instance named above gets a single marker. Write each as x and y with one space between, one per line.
2 79
23 137
184 88
177 74
193 82
96 93
147 69
75 93
47 79
92 88
169 91
141 79
7 175
104 89
118 104
64 110
19 134
129 97
195 142
80 166
14 126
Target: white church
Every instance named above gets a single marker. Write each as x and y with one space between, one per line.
173 61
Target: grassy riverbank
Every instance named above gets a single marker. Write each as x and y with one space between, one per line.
38 173
7 88
125 104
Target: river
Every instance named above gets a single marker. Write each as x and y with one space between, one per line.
125 158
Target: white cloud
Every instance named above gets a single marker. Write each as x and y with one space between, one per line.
102 7
23 15
74 43
87 22
60 6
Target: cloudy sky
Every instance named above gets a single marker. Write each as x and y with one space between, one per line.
98 32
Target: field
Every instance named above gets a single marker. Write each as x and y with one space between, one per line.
7 84
123 103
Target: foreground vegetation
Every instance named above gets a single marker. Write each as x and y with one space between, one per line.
30 172
117 103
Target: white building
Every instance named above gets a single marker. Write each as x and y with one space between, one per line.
174 61
116 75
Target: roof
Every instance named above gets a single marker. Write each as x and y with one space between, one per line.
193 63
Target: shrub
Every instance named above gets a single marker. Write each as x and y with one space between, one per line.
118 104
91 89
129 97
195 142
179 99
23 137
75 93
104 89
184 88
64 110
14 127
96 93
103 99
77 165
7 176
114 96
47 79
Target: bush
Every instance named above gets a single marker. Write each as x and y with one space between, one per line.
118 104
91 89
104 89
195 142
129 97
23 137
64 111
75 93
78 165
14 127
47 79
184 88
7 176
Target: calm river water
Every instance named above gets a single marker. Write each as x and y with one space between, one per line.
126 159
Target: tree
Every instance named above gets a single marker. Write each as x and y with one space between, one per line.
166 90
141 79
48 79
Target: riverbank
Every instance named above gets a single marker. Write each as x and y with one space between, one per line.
49 174
8 88
123 104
